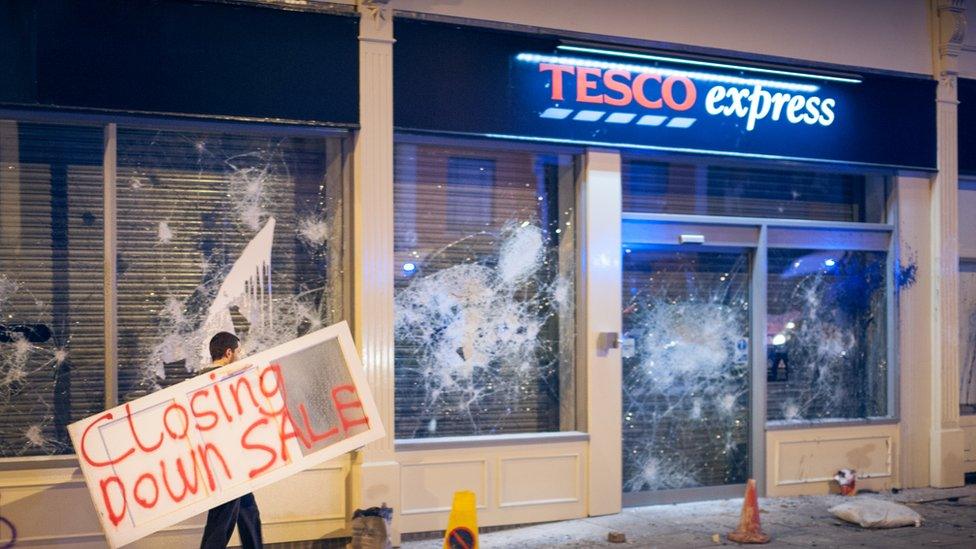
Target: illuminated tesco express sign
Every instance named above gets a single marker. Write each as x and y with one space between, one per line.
541 88
670 91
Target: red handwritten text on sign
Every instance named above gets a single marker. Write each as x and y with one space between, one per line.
236 428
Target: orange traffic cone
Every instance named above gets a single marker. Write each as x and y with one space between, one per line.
749 530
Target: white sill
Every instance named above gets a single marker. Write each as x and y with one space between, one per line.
447 443
21 463
783 425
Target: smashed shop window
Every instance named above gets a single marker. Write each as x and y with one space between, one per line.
967 339
826 335
484 291
686 386
220 231
188 205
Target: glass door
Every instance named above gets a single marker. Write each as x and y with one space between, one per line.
687 383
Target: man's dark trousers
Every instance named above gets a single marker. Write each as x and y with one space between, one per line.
242 512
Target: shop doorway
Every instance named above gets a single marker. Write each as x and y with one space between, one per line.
688 382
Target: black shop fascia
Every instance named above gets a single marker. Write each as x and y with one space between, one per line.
461 80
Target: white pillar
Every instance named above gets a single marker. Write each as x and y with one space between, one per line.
946 448
914 335
600 204
372 237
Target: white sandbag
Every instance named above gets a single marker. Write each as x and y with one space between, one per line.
876 513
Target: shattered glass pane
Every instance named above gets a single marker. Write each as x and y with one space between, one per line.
222 231
51 300
967 341
484 291
826 335
686 386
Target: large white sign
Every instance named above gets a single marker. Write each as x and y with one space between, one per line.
178 452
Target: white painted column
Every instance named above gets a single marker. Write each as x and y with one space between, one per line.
914 336
946 449
600 300
372 237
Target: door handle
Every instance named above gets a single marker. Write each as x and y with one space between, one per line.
608 340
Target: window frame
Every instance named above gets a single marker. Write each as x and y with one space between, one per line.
703 162
109 124
966 263
793 230
578 405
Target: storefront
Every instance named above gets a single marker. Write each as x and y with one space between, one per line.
729 230
143 146
584 271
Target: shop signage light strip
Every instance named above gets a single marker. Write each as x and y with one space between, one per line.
649 57
556 113
700 76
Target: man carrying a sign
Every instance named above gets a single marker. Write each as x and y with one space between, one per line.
243 511
217 437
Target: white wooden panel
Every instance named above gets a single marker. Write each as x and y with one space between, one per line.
309 505
810 461
304 496
968 424
804 461
538 480
32 510
429 487
523 482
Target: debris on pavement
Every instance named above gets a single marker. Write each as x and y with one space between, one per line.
876 513
847 479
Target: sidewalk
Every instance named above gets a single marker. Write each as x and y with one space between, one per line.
791 522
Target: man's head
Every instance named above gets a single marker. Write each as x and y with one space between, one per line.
224 347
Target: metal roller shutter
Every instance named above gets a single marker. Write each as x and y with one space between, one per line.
188 203
50 284
457 207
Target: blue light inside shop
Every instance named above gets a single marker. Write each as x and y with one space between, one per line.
700 76
829 262
649 57
409 267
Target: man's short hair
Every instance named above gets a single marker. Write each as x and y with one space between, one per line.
221 343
